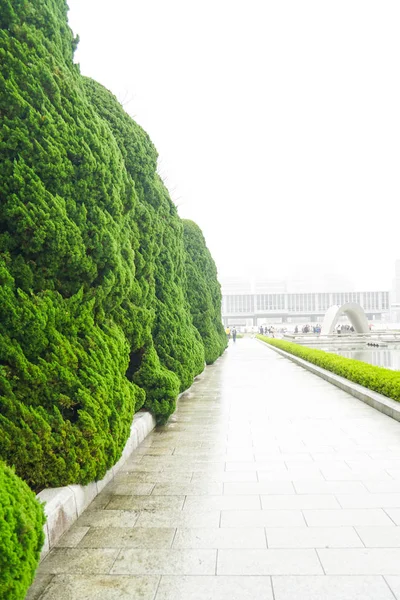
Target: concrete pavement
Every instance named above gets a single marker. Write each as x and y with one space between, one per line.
268 483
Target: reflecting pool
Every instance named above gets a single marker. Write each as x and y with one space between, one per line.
382 357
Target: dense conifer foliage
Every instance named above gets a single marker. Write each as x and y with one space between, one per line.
68 235
160 256
95 321
204 292
21 535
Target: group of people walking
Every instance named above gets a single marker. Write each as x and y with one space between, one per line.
308 328
267 331
230 331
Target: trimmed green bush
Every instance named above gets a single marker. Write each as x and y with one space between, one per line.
381 380
203 292
21 535
94 317
159 257
67 242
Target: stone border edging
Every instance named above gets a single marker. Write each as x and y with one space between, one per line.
65 504
385 405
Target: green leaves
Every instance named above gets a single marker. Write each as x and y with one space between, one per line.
21 535
95 315
99 314
203 292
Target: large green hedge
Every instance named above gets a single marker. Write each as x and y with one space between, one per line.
381 380
204 292
160 256
21 535
94 315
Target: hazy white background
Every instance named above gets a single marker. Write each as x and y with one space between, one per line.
277 123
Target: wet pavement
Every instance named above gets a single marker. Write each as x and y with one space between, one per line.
268 483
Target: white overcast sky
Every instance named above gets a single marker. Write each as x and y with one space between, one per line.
277 123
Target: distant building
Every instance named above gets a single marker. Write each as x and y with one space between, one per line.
247 302
395 300
255 309
253 302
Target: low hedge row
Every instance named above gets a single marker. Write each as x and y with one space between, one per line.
381 380
21 535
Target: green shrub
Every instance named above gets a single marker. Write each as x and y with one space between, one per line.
94 317
21 535
381 380
159 259
203 292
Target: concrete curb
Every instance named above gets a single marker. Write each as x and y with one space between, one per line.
385 405
65 504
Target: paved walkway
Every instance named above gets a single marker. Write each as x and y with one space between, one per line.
267 484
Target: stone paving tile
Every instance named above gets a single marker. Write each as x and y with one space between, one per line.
262 518
199 455
156 451
138 503
225 476
77 560
72 537
313 537
269 465
159 562
100 501
215 588
160 477
347 516
374 475
393 582
218 467
133 467
268 562
187 489
391 486
165 518
203 503
330 588
329 487
120 537
259 487
105 587
131 488
245 537
394 514
380 537
325 466
366 561
40 584
369 500
108 518
299 501
339 455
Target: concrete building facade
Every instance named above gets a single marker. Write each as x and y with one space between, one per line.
254 302
253 309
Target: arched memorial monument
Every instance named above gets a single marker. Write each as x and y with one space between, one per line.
354 312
